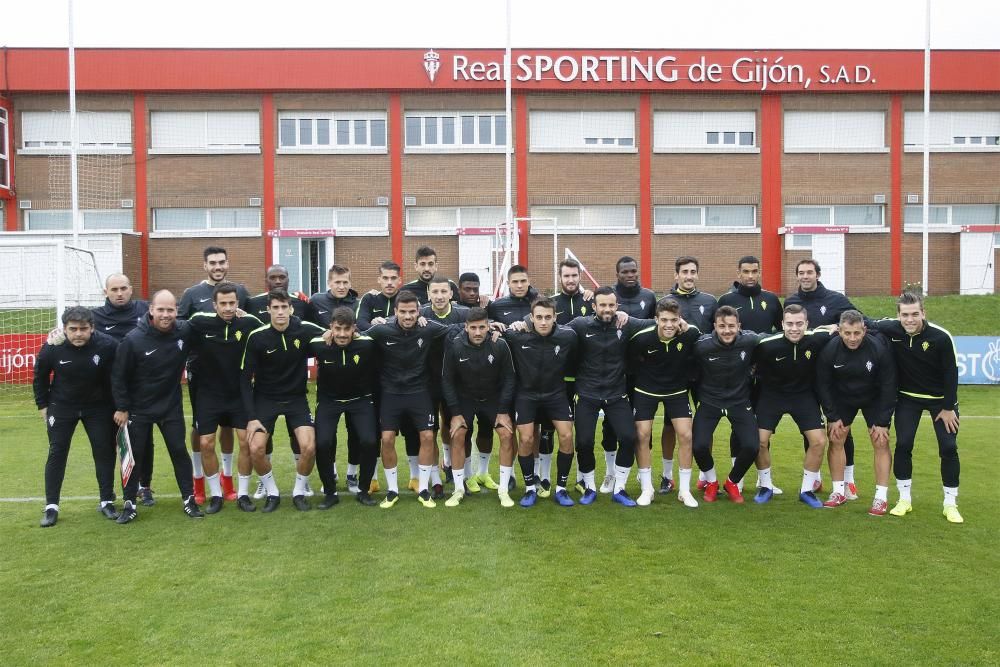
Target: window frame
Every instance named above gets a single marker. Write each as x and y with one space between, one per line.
536 228
883 148
64 146
832 219
534 147
333 148
334 211
703 227
950 226
84 213
950 147
442 231
207 148
5 153
208 230
458 147
660 116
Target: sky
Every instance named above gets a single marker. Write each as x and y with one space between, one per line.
640 24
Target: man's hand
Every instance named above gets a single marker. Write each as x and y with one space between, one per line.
837 430
421 321
498 326
503 421
240 312
682 325
621 319
253 428
879 435
56 337
950 420
484 300
374 292
44 412
458 426
520 325
121 417
328 337
378 320
587 294
494 336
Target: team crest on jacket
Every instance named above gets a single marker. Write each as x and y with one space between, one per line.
583 310
489 358
763 305
180 344
239 334
869 366
642 304
357 358
925 345
296 343
619 334
743 354
96 359
680 346
52 420
557 350
809 354
420 342
822 310
701 309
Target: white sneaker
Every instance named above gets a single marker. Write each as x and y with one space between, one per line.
740 485
776 490
851 491
260 492
309 492
645 498
686 498
608 485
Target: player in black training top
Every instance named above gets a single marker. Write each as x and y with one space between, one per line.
120 312
339 293
425 264
276 278
379 305
72 384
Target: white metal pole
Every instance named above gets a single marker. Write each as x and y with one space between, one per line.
508 162
60 281
925 208
555 254
74 132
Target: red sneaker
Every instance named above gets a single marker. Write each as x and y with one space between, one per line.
835 500
878 508
701 485
711 491
852 491
733 491
199 490
228 492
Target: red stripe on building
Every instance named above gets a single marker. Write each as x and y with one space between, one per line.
8 194
770 190
645 147
267 151
896 193
396 177
141 185
521 173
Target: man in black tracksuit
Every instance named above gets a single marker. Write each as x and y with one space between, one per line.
145 385
857 372
517 304
724 359
426 267
378 307
273 384
345 385
339 293
928 380
602 347
477 382
72 384
276 278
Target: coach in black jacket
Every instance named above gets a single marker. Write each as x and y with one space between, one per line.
120 312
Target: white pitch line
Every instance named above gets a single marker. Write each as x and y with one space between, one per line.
41 499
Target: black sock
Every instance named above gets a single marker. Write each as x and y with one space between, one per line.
563 463
527 469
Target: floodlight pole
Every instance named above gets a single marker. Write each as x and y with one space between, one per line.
74 132
925 207
508 148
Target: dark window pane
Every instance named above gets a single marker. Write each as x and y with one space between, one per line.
486 130
608 141
959 140
378 133
975 140
305 131
500 130
3 172
746 138
468 129
287 131
430 130
712 138
625 141
361 132
343 132
447 130
323 131
729 137
590 141
413 131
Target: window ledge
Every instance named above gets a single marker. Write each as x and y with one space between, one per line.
700 229
706 149
425 150
205 151
883 149
206 233
933 229
80 151
584 149
965 148
354 150
581 230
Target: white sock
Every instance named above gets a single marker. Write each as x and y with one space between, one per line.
484 463
764 478
414 465
609 463
819 474
538 467
214 485
52 507
459 477
950 495
904 489
646 479
881 493
391 480
199 472
505 474
701 476
243 485
545 466
848 475
269 484
621 477
446 455
352 470
424 474
435 475
301 481
732 461
588 480
838 487
807 481
685 483
227 464
668 468
710 475
467 468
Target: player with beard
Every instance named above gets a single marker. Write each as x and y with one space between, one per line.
276 278
425 264
379 305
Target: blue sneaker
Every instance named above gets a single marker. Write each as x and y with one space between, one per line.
810 499
589 496
562 497
764 494
622 499
529 499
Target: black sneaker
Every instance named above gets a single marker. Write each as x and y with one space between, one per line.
271 504
666 486
301 504
49 518
108 511
128 513
215 504
192 510
245 504
146 496
511 484
329 501
546 484
365 499
449 478
438 493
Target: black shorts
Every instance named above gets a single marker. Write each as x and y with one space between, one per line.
483 412
295 411
359 415
675 406
553 407
849 412
211 412
803 408
393 408
440 408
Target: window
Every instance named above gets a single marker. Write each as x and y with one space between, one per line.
937 215
357 221
448 220
219 221
331 132
834 216
953 130
683 218
93 220
957 215
583 131
4 155
205 132
456 131
583 219
99 131
704 131
834 131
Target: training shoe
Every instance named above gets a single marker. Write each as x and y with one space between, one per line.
329 500
484 479
851 491
352 484
835 500
391 498
438 492
373 487
608 485
902 508
775 490
764 495
413 485
686 498
49 518
191 508
455 500
245 504
365 498
817 485
511 484
472 485
701 485
588 497
228 492
544 488
215 504
108 511
449 477
199 490
666 485
128 513
645 498
623 499
529 499
951 513
580 487
309 492
425 499
810 499
271 504
711 491
733 491
301 504
563 499
878 508
505 499
261 492
146 496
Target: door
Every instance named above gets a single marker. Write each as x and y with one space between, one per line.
476 255
828 250
977 270
306 260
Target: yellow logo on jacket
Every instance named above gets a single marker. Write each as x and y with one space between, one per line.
296 343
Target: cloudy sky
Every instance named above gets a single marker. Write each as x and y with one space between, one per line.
892 24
